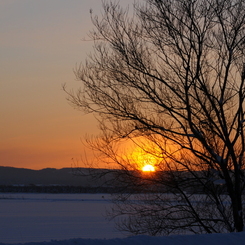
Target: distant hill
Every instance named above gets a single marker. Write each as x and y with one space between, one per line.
48 176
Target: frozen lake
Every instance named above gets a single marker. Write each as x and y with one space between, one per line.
45 217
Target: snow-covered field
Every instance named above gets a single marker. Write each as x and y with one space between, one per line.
78 219
42 217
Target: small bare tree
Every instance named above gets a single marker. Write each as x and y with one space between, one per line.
172 73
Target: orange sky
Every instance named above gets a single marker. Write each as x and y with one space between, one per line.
40 44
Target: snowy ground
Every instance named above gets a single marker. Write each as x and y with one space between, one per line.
78 219
43 217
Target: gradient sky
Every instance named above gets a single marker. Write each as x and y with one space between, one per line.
40 45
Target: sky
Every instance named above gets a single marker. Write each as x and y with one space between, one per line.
40 45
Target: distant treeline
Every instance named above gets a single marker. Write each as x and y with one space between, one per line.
54 189
72 189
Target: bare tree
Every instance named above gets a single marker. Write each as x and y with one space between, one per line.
172 73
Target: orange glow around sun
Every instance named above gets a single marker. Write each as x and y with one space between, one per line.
144 160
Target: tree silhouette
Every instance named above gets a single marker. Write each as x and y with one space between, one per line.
172 73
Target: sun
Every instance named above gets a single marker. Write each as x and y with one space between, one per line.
148 168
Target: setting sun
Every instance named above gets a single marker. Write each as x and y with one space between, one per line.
148 168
